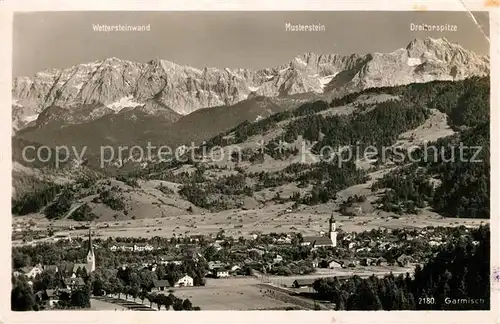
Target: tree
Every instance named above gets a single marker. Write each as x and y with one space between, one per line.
126 290
168 302
46 280
64 299
159 299
20 260
178 306
187 305
98 287
134 291
142 295
80 298
22 297
146 279
151 298
119 287
364 298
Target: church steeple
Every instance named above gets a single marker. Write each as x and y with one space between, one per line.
90 254
333 224
333 232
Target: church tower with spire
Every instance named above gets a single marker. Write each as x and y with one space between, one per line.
333 231
90 254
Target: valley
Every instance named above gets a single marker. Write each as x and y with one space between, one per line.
371 167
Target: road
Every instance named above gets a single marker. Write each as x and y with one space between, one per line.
72 210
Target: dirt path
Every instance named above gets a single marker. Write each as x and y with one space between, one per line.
72 210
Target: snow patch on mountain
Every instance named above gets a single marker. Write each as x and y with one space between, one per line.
300 61
79 86
123 102
414 61
184 89
92 65
30 118
326 79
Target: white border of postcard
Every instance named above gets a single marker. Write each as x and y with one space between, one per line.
7 7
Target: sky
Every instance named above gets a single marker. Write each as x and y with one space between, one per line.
43 40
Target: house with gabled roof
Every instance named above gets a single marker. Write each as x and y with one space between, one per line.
30 272
74 283
160 285
323 241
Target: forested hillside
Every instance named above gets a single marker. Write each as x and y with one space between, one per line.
451 184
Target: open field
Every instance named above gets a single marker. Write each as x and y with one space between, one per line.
230 294
309 220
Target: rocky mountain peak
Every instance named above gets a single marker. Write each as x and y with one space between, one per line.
118 84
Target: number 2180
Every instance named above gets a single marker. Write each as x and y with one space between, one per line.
426 301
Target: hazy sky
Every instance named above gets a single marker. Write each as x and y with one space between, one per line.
222 39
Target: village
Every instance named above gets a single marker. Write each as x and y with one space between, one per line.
278 266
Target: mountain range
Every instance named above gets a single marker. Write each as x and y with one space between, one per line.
99 90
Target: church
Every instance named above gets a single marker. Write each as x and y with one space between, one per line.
89 266
323 241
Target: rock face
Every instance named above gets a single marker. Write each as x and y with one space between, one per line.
89 91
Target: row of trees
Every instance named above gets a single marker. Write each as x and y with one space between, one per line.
28 297
167 301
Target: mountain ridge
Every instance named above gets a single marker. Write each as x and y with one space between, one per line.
113 84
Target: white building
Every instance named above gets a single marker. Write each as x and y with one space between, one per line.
143 247
30 272
221 273
137 247
278 259
332 264
185 281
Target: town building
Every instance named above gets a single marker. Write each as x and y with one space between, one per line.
51 297
50 268
160 285
163 285
221 272
140 247
278 259
89 266
323 241
302 283
349 263
333 264
185 281
137 247
74 283
29 272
